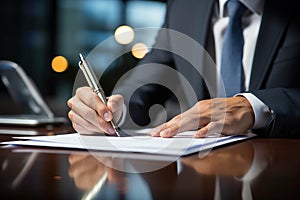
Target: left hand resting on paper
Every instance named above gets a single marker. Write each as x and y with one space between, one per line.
228 116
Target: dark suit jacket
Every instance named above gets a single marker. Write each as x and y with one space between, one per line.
276 65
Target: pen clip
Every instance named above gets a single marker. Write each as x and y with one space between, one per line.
91 77
85 73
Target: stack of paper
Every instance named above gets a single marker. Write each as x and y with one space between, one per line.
180 145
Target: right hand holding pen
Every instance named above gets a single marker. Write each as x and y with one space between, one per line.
90 115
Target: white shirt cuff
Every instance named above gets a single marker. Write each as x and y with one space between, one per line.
261 110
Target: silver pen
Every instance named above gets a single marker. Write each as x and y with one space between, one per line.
94 84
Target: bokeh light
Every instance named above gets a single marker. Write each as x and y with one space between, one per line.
124 34
139 50
59 64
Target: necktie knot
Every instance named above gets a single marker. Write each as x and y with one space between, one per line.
235 8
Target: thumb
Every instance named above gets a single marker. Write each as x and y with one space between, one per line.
115 104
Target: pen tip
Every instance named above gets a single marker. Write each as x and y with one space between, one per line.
117 133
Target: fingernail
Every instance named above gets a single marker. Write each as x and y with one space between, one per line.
199 135
154 131
150 132
70 103
70 114
165 132
107 117
111 130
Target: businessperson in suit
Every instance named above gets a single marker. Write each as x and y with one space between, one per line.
268 103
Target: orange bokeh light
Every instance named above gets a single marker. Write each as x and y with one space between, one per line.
59 64
139 50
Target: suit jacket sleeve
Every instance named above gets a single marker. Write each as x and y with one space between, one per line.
279 87
142 87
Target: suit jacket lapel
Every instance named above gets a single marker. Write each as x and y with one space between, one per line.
274 21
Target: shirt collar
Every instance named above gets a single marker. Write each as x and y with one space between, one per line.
256 6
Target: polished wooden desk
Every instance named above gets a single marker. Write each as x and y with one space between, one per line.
253 169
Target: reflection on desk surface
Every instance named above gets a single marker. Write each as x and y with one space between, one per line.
254 169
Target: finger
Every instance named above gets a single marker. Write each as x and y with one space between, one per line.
70 103
86 115
81 108
115 103
168 129
171 128
78 121
82 130
201 133
92 129
83 126
211 128
92 100
156 131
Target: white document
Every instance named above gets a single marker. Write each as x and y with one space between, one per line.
180 145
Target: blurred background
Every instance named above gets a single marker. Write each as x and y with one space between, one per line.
45 37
